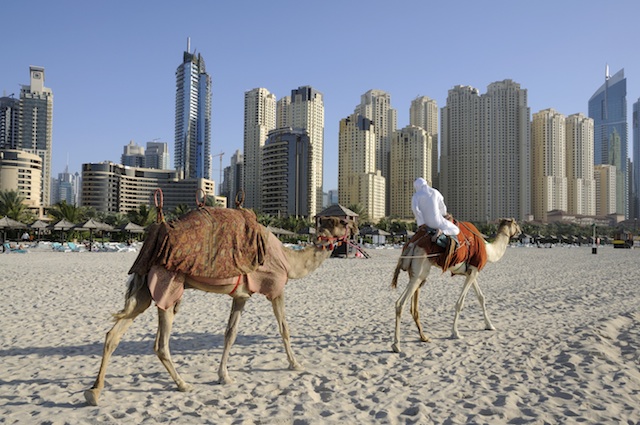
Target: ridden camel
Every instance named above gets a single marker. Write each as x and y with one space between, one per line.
330 230
418 263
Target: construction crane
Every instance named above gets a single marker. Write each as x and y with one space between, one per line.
221 154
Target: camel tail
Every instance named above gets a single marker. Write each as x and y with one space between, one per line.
396 273
137 292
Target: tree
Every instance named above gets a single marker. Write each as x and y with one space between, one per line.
144 216
12 205
363 216
69 212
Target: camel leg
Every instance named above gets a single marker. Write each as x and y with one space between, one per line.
471 277
487 322
161 347
278 309
137 302
230 337
416 313
412 286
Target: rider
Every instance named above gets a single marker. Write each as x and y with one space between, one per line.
429 209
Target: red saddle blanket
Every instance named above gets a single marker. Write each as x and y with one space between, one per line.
471 248
207 242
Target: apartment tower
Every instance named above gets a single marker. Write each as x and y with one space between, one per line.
359 181
193 117
259 120
485 160
548 174
424 113
376 106
608 109
581 186
411 150
605 178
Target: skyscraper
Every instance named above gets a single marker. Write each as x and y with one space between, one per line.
634 202
304 110
133 155
485 166
157 155
359 182
259 120
608 109
9 116
580 178
376 106
424 113
36 125
548 174
193 117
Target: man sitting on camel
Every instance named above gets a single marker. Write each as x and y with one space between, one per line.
429 209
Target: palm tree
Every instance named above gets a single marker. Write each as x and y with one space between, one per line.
12 205
363 216
144 216
69 212
179 210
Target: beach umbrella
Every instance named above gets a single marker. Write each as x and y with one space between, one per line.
7 223
92 225
62 225
131 228
278 231
39 225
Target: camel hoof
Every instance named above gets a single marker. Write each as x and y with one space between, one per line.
185 388
425 339
395 347
490 328
456 335
296 366
91 396
225 380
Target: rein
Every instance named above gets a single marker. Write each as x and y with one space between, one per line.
331 240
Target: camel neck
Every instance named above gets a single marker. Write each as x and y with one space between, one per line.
304 261
497 248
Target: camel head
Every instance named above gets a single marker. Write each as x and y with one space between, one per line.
509 227
333 230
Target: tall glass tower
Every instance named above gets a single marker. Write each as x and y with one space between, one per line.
634 204
193 117
608 109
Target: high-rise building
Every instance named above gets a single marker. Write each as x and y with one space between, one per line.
548 173
581 186
304 110
234 180
36 126
605 178
485 164
424 113
608 109
21 171
376 106
133 155
359 182
64 188
286 176
9 119
193 117
411 150
259 120
157 155
634 200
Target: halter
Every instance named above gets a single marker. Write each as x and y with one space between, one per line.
332 239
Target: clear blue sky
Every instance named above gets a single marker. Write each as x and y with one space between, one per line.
111 64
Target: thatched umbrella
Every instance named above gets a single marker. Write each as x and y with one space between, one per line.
131 228
39 225
62 225
92 225
9 223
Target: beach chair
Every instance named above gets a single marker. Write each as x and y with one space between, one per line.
73 247
9 250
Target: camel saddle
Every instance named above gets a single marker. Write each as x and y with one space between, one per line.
471 248
207 242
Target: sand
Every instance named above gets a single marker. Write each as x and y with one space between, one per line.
566 348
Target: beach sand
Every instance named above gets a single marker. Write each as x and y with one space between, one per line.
566 348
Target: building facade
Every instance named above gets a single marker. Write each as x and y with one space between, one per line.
424 113
634 199
259 120
581 186
608 109
22 172
411 150
549 175
233 183
287 156
486 153
157 155
193 117
110 187
359 182
133 155
35 126
605 178
65 188
376 106
9 119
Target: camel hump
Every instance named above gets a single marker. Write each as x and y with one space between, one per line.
207 242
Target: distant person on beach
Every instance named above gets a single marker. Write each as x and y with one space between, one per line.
429 209
26 237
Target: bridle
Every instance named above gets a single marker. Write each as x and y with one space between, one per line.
333 241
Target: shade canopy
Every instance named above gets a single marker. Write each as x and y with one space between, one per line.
63 225
9 223
39 224
132 228
92 224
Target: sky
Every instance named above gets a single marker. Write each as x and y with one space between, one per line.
111 64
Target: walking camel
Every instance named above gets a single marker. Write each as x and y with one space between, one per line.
163 284
470 257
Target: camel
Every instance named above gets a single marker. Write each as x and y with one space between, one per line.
330 231
418 263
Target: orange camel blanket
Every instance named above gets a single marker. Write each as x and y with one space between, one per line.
268 279
208 242
471 250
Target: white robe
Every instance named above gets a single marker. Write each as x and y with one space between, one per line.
429 208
